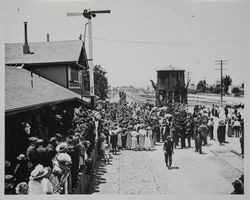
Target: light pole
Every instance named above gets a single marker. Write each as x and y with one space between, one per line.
89 14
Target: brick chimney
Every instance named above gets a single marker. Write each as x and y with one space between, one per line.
26 48
47 37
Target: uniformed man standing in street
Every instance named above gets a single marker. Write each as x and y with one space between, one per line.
168 149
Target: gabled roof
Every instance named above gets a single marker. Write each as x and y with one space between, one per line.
171 68
20 95
44 52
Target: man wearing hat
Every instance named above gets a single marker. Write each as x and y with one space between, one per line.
42 155
168 149
31 154
51 151
61 173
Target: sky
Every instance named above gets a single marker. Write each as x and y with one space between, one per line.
140 36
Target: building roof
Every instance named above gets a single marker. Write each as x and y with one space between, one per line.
19 94
44 52
170 68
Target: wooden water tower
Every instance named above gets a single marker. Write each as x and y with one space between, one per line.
171 86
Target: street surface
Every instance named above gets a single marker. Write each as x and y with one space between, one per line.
145 172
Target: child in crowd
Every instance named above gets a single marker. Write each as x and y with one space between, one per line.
106 153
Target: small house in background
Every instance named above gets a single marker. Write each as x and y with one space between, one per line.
62 62
171 86
240 91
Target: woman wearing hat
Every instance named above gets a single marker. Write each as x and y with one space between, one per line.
134 134
142 135
129 137
147 144
119 138
221 131
230 128
38 183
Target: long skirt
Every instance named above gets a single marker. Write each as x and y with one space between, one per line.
151 140
141 142
134 143
119 142
147 144
129 141
230 131
220 137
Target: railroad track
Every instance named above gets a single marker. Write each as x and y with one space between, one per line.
223 159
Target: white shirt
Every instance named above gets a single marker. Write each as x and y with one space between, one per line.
42 187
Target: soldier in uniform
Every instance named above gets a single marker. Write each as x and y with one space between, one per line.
168 151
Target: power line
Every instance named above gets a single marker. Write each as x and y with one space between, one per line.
140 42
221 63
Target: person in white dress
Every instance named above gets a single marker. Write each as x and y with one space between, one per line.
119 141
142 134
38 183
134 139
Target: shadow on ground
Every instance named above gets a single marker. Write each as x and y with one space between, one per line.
97 178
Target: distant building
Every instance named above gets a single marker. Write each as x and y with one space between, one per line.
171 86
192 88
231 87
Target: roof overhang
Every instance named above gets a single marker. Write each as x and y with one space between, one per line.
38 106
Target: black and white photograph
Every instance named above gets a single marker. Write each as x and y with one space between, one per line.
135 97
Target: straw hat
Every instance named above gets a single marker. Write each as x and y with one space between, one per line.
64 157
33 139
38 172
21 157
39 141
221 122
61 147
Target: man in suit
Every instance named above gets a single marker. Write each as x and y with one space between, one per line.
168 149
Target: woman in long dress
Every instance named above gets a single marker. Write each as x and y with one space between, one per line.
230 128
147 144
134 139
221 132
142 134
119 141
150 133
129 138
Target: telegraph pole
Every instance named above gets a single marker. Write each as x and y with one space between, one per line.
89 15
221 63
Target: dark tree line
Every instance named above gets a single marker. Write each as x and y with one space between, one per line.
226 82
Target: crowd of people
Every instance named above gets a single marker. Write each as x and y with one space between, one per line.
52 166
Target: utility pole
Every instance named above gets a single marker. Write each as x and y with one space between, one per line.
188 76
221 63
89 15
